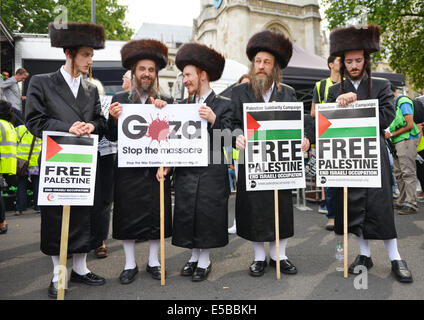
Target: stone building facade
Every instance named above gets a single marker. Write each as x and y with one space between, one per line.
227 25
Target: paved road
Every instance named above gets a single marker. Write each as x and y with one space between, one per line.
25 272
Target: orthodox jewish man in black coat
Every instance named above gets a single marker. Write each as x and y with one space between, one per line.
63 101
201 193
136 211
370 210
269 52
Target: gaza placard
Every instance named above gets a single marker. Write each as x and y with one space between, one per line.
174 136
348 145
273 154
68 169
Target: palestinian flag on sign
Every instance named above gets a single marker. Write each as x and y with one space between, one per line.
69 149
274 125
347 123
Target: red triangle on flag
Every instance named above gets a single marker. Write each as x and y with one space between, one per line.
252 125
52 148
323 124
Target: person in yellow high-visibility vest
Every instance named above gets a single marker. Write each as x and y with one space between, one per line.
7 153
404 134
25 140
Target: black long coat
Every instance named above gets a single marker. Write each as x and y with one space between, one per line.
201 193
50 105
370 210
136 208
255 214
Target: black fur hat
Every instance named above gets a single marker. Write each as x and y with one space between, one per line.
136 50
355 38
273 42
77 34
201 56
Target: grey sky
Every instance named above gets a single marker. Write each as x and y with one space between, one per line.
176 12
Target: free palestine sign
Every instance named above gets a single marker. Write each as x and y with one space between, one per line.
273 155
348 145
68 169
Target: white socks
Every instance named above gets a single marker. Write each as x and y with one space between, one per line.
259 249
392 249
364 248
154 246
203 259
260 254
79 265
129 246
201 256
129 254
55 260
391 246
194 255
273 250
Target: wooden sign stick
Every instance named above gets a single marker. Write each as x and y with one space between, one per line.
277 235
162 229
345 230
63 252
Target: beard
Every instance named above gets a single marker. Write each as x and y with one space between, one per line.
260 84
142 88
192 89
358 77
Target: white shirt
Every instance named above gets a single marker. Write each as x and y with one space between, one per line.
356 83
143 99
205 96
267 95
73 83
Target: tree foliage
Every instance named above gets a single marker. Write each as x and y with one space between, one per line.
33 16
402 24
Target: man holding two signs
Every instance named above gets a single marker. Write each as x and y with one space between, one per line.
269 53
63 101
370 210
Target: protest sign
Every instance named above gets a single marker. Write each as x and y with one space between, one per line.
348 145
68 169
273 155
174 136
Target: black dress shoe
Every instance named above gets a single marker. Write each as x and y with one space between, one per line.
155 271
285 266
201 274
257 268
360 261
188 269
52 291
89 278
128 276
401 272
3 230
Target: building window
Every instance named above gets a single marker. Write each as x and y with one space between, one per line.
275 26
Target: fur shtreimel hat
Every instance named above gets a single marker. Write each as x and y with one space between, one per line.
355 38
136 50
273 42
77 34
201 56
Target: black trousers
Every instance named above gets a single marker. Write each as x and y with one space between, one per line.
21 193
2 210
103 198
